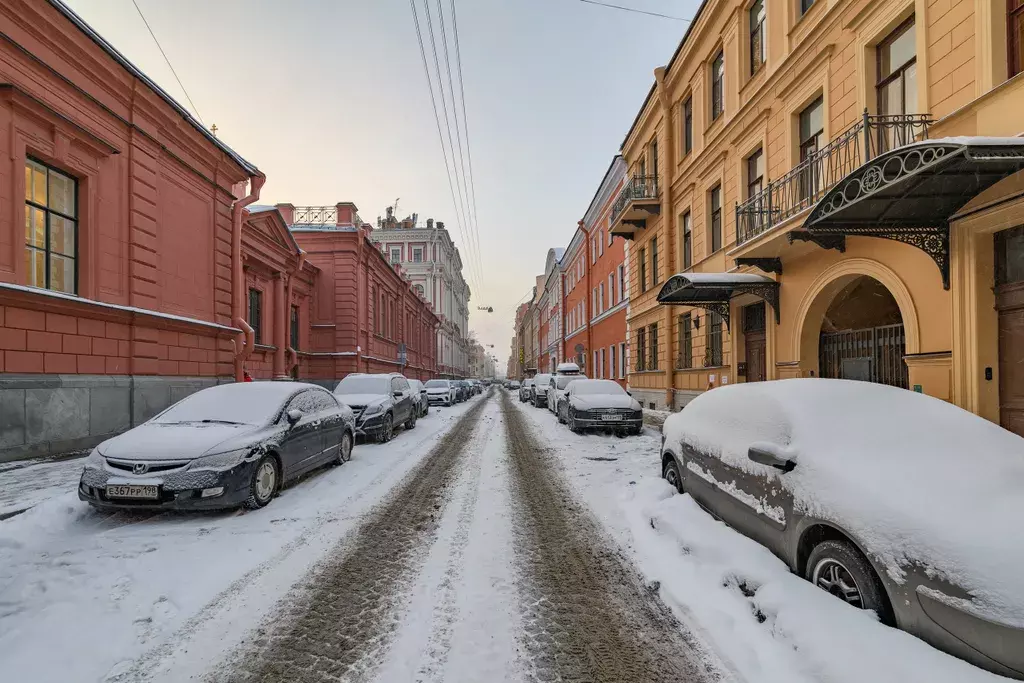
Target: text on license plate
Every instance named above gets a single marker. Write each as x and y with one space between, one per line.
132 491
611 417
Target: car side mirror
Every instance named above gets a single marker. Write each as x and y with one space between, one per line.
767 457
397 394
294 415
629 393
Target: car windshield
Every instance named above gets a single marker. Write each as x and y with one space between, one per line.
542 380
437 384
596 387
364 384
562 381
242 403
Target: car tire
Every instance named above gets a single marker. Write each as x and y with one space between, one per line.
387 429
411 422
561 417
832 566
345 449
265 480
573 427
672 475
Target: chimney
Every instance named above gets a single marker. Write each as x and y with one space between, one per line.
346 214
287 212
440 225
430 223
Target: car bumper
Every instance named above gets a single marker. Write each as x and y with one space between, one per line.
444 400
370 426
598 423
180 490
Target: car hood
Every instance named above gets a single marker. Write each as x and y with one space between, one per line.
605 401
156 441
438 390
361 399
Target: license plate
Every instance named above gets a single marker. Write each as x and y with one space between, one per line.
611 417
132 491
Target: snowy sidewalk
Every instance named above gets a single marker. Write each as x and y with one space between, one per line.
26 483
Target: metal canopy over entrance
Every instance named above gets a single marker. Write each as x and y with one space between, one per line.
713 291
911 193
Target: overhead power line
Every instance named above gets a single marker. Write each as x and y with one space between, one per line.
169 65
633 9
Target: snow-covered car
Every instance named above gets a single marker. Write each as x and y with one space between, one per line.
513 386
441 392
526 390
599 404
462 389
226 446
888 499
422 404
539 395
556 388
379 402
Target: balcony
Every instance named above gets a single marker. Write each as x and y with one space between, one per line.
636 202
808 182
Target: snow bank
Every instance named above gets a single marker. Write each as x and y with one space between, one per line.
914 478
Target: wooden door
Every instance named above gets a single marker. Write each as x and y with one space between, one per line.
754 323
1010 304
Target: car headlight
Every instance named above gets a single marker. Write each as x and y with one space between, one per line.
221 461
373 410
95 459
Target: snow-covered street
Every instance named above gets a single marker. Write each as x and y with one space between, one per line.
489 543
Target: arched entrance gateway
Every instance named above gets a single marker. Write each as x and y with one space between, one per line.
862 336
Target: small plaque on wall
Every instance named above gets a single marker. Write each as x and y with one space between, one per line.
741 369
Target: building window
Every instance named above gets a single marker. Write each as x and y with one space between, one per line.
654 261
654 157
622 282
715 218
686 239
622 360
600 367
688 124
396 254
812 130
713 340
611 362
609 235
805 5
256 315
593 250
611 290
597 367
642 262
1015 39
641 349
51 228
600 244
417 255
897 72
293 328
652 336
718 85
685 359
600 298
758 51
755 173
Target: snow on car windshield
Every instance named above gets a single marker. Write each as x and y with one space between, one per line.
363 384
243 403
592 387
563 380
437 384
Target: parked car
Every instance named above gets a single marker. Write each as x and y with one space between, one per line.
599 404
379 402
539 395
474 387
227 446
526 390
514 386
463 389
442 392
422 404
556 388
890 500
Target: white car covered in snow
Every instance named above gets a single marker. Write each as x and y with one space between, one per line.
599 404
890 500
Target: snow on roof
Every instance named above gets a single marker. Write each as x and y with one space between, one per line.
722 278
913 478
260 208
973 140
304 227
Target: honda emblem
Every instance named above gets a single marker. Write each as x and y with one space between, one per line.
140 468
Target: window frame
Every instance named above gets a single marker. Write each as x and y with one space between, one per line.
47 249
687 122
715 218
419 251
1015 49
686 238
642 274
293 327
622 360
641 349
713 343
652 340
755 184
256 320
717 89
391 253
805 6
896 73
685 356
758 52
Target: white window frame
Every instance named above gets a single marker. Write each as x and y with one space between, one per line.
600 243
602 363
395 251
600 298
622 360
621 273
611 290
611 362
596 366
417 250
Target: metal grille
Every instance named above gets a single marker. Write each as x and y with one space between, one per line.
713 340
256 315
754 318
873 354
316 215
685 359
637 187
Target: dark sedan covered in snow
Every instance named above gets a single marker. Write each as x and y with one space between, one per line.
227 446
599 404
889 500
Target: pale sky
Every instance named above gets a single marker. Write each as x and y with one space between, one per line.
329 99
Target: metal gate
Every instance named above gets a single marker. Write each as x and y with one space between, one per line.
873 354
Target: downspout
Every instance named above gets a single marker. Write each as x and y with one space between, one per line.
245 339
666 217
590 292
361 274
292 352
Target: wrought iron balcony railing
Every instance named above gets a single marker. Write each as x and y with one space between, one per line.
808 181
637 187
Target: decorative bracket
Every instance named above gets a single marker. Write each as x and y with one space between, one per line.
825 241
933 241
768 264
635 222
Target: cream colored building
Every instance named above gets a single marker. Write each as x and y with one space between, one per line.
849 161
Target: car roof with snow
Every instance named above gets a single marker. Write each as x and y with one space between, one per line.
914 478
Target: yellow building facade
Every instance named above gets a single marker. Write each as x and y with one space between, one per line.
832 188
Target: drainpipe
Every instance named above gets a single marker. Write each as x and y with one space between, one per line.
293 354
590 293
245 339
361 274
669 249
281 328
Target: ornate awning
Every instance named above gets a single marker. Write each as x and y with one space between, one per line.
713 291
910 193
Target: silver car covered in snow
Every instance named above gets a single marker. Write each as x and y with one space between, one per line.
599 404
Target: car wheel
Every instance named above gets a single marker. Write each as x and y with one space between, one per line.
345 451
672 475
839 568
573 427
387 430
411 422
264 483
561 416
